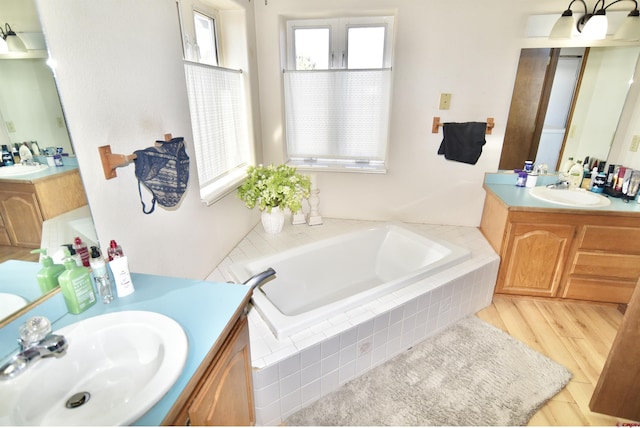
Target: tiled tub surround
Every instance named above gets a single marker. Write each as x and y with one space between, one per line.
292 373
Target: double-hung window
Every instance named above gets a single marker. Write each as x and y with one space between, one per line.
337 87
218 108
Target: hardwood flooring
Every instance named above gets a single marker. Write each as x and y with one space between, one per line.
17 253
577 335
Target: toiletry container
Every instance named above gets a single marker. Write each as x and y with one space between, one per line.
528 166
120 269
521 179
25 153
599 183
567 165
532 179
47 277
101 276
575 175
76 287
72 253
82 250
114 250
7 157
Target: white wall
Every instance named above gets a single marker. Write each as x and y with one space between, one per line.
467 48
121 79
122 83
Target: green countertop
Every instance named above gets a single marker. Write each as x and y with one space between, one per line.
202 308
502 184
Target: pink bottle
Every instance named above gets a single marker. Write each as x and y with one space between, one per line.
114 251
82 250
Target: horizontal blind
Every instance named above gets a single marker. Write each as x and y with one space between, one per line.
218 120
341 114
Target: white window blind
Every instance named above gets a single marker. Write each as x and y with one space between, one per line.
219 124
337 114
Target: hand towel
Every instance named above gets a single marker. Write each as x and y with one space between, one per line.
463 142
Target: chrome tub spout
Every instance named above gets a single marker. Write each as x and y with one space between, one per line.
260 278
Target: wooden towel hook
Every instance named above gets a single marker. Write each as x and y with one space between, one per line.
437 124
111 161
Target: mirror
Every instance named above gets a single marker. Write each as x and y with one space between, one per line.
567 102
30 110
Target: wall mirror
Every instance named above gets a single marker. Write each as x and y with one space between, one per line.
31 110
567 102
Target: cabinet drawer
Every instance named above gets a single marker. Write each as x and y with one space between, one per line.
594 289
611 238
623 266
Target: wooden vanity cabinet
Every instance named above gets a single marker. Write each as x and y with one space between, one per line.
24 205
221 390
563 253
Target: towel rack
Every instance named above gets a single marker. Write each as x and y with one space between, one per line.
437 124
111 161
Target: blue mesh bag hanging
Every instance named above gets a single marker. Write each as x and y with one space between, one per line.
164 171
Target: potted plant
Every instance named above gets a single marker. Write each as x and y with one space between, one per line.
273 189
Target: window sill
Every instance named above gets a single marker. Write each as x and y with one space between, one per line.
217 190
338 166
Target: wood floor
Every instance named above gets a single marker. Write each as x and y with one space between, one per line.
574 334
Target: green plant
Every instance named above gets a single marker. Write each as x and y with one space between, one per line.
270 186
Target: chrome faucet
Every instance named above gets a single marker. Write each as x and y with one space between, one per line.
36 342
259 278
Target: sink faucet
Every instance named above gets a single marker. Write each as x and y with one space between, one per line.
36 342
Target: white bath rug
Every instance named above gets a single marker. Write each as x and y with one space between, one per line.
471 374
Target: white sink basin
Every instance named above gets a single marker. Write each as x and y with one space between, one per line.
572 198
126 361
18 169
9 303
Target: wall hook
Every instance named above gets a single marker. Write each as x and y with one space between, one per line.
111 161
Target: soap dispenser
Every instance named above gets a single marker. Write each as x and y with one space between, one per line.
47 276
76 286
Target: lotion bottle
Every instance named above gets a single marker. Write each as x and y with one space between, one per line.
575 175
76 286
120 268
101 276
47 276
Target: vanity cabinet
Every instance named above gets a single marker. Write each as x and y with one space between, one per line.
24 205
221 390
563 253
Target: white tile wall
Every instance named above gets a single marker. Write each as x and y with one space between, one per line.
291 374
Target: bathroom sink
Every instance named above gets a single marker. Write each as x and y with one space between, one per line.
570 197
18 169
9 303
116 368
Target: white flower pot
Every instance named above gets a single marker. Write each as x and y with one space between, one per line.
272 221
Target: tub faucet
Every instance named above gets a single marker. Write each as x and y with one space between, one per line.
36 342
259 278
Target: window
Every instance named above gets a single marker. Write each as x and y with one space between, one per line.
219 114
337 92
206 40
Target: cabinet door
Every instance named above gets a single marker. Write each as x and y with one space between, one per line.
533 259
226 396
22 218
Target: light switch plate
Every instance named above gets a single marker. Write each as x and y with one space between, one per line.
10 126
634 143
445 101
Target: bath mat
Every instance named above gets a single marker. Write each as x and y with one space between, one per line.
470 374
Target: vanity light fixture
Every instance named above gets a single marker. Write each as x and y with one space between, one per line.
594 25
12 40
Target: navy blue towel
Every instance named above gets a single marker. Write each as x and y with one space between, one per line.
463 142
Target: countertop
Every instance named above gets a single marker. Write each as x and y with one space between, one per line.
70 165
502 185
202 308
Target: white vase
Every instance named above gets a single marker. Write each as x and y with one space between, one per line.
272 221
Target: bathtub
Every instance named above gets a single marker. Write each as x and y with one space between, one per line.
316 281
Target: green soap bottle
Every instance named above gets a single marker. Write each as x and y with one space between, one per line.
47 276
76 286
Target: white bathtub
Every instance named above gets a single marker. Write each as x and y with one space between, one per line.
316 281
